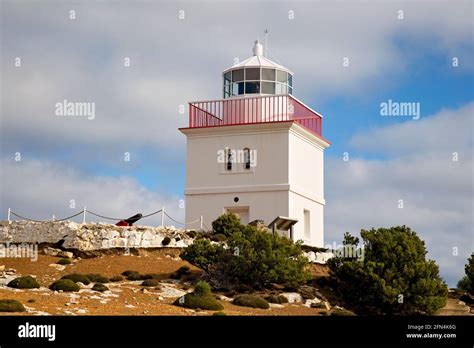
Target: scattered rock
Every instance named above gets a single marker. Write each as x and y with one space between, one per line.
309 303
293 297
57 266
276 305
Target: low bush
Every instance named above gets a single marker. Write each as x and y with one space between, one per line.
11 306
219 314
202 289
276 299
116 278
200 298
77 277
152 276
64 262
132 275
64 285
151 282
227 224
252 257
100 287
341 313
201 302
252 301
219 237
180 272
191 234
25 282
97 278
166 241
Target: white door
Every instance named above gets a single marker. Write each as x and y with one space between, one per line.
241 212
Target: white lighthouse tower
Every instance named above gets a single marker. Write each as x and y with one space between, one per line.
258 152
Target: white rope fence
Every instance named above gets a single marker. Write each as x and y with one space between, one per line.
84 211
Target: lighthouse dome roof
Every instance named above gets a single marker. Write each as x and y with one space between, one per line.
257 75
258 60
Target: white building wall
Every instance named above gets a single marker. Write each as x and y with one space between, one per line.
287 179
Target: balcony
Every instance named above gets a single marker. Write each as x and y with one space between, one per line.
254 110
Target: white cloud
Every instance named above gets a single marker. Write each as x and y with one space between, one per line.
37 190
437 192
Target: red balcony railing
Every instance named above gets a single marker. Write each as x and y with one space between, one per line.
262 109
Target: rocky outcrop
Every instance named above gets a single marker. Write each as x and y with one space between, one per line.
91 236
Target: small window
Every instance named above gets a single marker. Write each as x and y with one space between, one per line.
281 88
268 87
229 159
268 74
252 74
252 87
282 76
247 158
290 80
238 75
307 224
227 78
237 88
290 90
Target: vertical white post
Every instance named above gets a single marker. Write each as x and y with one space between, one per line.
84 215
201 222
162 216
9 212
54 218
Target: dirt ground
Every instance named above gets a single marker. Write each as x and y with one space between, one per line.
124 298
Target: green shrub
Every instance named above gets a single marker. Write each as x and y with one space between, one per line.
180 272
77 277
394 263
100 287
251 301
341 313
25 282
253 257
202 289
166 241
151 282
133 275
200 298
152 276
202 302
128 272
116 278
467 282
219 237
11 306
97 278
276 299
64 285
191 234
227 224
64 262
219 314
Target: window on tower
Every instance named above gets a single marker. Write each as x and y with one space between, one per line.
247 158
229 159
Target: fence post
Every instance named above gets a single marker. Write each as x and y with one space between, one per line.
54 218
9 212
162 216
201 221
84 215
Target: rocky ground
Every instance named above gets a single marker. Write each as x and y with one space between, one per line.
126 297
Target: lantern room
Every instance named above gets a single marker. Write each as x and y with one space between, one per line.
257 75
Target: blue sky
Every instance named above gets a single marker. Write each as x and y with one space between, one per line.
174 61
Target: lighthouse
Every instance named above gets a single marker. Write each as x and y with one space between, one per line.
258 152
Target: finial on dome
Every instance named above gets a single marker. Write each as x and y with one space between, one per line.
258 49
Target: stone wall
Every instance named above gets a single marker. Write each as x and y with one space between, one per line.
91 236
